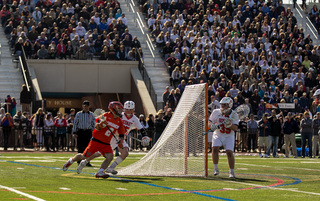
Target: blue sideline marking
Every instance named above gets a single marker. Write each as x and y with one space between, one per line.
123 179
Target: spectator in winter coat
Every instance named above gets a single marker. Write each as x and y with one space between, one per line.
306 134
315 139
274 133
264 131
160 125
290 127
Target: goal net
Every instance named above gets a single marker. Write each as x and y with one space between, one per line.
181 149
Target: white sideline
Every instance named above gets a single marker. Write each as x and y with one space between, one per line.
22 193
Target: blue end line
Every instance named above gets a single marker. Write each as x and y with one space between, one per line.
128 180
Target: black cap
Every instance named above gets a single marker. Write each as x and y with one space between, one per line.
86 102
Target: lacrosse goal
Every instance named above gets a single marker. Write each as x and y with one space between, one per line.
182 149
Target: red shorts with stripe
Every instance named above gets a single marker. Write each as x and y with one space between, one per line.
93 147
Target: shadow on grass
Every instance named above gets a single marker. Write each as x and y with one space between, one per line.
137 179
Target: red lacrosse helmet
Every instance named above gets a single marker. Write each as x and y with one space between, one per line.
116 108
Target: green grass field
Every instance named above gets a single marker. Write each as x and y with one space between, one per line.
23 175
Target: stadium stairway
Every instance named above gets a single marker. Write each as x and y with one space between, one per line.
302 20
154 63
10 75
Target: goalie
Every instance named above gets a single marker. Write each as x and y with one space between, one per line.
223 123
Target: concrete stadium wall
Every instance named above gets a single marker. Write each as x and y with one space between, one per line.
83 76
109 79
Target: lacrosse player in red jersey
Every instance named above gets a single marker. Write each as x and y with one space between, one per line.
111 124
223 123
130 122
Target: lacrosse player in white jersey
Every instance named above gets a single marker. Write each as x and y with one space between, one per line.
130 121
223 122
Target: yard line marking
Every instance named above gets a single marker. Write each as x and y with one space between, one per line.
66 189
122 189
21 193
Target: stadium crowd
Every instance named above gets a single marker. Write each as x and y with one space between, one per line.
251 51
69 29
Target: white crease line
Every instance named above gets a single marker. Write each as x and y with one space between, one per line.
21 193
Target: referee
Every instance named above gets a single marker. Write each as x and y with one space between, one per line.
84 124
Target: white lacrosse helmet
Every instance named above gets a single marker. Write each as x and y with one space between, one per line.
317 93
129 105
145 141
228 101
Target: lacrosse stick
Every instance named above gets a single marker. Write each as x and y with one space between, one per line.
145 141
242 111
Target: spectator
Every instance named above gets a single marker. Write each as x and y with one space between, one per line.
7 124
315 139
160 125
290 127
275 132
48 133
43 53
61 124
306 134
264 131
81 54
19 124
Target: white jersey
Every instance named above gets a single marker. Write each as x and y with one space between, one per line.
217 118
131 123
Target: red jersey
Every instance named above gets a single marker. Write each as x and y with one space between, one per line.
115 125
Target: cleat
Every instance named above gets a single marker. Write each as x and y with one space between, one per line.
82 164
67 165
101 175
261 156
112 171
266 156
216 172
231 175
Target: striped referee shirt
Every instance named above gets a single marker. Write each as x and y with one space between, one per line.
84 120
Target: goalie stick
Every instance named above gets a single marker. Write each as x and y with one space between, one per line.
242 111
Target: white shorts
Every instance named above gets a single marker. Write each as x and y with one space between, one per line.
114 143
227 141
210 136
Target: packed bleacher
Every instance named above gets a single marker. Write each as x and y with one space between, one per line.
251 51
253 47
69 30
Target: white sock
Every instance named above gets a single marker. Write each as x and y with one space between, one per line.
101 170
232 171
216 166
85 160
116 162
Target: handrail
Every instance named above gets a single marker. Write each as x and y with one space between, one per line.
147 81
24 74
314 30
27 77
